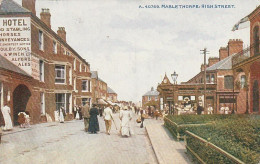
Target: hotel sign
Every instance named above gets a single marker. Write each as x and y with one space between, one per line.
15 41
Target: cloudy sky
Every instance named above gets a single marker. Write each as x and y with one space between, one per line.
132 47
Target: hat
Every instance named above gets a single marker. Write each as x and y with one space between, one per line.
125 108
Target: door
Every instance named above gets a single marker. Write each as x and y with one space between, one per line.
255 96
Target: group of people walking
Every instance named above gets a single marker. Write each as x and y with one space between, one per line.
91 124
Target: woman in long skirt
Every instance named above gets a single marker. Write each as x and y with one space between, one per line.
7 118
125 117
61 115
93 121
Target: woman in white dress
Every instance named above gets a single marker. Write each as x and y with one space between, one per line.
125 117
61 115
7 118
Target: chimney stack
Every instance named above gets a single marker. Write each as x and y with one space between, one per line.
30 5
46 17
62 33
234 46
223 53
213 60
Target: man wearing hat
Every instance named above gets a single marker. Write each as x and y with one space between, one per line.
86 116
108 118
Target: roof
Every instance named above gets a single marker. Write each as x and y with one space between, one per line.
109 90
224 64
9 6
94 75
152 92
7 65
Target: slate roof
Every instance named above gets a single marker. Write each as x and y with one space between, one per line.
151 93
224 64
94 75
9 6
7 65
109 90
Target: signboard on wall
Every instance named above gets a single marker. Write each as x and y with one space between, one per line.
15 41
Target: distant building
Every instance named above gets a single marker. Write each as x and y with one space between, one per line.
99 87
150 98
111 95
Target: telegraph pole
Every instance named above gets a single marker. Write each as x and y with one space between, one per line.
205 52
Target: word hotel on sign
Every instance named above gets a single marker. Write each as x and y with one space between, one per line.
14 22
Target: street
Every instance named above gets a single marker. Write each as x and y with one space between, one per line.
69 143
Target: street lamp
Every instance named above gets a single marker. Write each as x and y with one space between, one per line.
174 78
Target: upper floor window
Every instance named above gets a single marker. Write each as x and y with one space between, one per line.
256 40
243 81
149 98
212 80
207 78
41 65
74 65
85 68
80 67
40 40
228 82
54 47
59 74
85 85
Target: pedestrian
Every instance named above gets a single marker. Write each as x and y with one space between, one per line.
21 119
142 112
149 110
77 114
100 110
80 112
125 118
7 118
156 113
199 109
86 116
210 109
108 118
93 120
226 109
61 118
135 109
75 109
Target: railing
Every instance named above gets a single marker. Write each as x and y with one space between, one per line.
245 54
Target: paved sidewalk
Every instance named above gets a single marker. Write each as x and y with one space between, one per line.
167 150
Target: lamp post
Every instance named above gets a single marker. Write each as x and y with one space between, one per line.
174 78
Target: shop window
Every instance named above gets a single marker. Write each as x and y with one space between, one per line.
60 74
60 100
41 65
228 82
243 81
85 85
41 40
54 47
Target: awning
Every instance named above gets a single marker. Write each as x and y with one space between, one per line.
101 102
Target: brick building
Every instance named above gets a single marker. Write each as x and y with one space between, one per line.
150 98
111 95
50 73
246 67
99 87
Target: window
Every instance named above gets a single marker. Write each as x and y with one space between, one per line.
70 76
74 65
59 74
212 80
243 81
85 68
228 82
85 85
42 103
256 40
207 78
54 47
85 101
41 65
60 100
80 67
149 98
68 53
40 40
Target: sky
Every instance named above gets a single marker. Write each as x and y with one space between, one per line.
132 48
